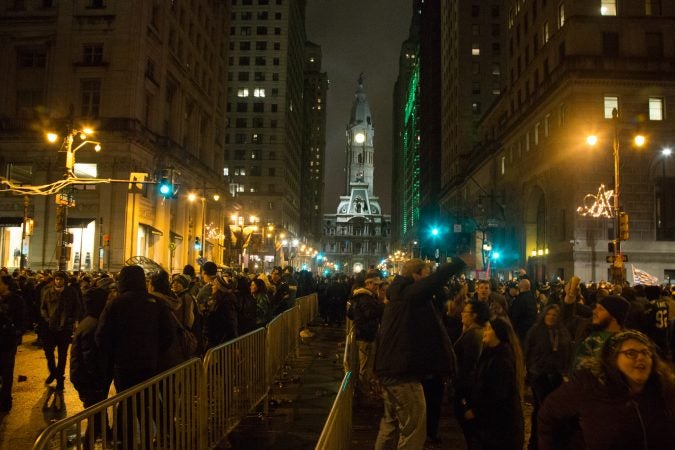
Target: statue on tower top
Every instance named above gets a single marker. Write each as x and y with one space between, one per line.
361 79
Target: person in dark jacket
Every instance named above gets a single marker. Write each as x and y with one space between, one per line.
159 288
495 400
468 348
60 310
624 401
134 330
89 367
412 345
365 309
220 321
523 311
11 320
548 349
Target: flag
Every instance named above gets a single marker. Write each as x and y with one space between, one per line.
642 277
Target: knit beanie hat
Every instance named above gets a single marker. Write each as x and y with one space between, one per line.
181 279
105 283
616 306
222 284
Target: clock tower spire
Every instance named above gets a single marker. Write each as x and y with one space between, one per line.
360 151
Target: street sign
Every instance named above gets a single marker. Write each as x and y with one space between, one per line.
610 258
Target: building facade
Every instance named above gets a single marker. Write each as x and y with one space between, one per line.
150 78
356 237
575 68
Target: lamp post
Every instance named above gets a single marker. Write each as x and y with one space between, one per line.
192 197
666 152
243 232
616 267
62 212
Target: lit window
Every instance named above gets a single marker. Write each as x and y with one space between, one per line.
475 49
545 34
259 92
547 124
610 104
503 165
242 92
536 133
226 171
608 7
655 108
561 15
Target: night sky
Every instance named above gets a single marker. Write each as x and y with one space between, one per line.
358 36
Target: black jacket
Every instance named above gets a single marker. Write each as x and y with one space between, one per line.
547 350
134 328
495 400
523 313
366 312
412 343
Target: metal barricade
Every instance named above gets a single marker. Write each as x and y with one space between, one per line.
337 431
162 412
236 381
309 308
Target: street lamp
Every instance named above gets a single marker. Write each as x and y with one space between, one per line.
666 152
616 269
242 233
192 197
63 203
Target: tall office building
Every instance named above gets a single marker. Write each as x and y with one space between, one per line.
313 145
149 78
578 68
264 137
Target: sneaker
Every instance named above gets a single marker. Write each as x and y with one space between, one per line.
50 379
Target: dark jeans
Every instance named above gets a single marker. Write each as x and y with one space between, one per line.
7 358
98 425
433 395
541 387
56 340
125 379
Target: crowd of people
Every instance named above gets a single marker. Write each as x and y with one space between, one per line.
595 359
125 328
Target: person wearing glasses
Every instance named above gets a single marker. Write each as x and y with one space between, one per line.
626 400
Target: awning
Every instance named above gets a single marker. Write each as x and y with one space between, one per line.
76 222
9 222
175 236
153 230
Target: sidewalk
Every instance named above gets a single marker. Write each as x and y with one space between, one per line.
21 426
299 402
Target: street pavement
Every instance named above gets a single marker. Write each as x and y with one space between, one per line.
35 406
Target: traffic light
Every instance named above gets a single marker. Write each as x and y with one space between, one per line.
623 226
198 243
166 184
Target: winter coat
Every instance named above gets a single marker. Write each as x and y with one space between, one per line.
135 328
366 311
60 310
587 413
183 308
523 313
173 354
263 309
468 349
547 351
495 400
90 367
220 319
412 343
11 320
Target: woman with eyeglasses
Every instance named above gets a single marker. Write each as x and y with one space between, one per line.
625 401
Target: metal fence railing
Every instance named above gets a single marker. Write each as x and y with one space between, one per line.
236 381
336 433
194 405
161 412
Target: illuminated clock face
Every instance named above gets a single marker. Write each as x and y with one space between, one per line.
360 138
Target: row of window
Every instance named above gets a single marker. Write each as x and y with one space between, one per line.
257 61
259 31
259 45
257 92
259 15
655 107
257 76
